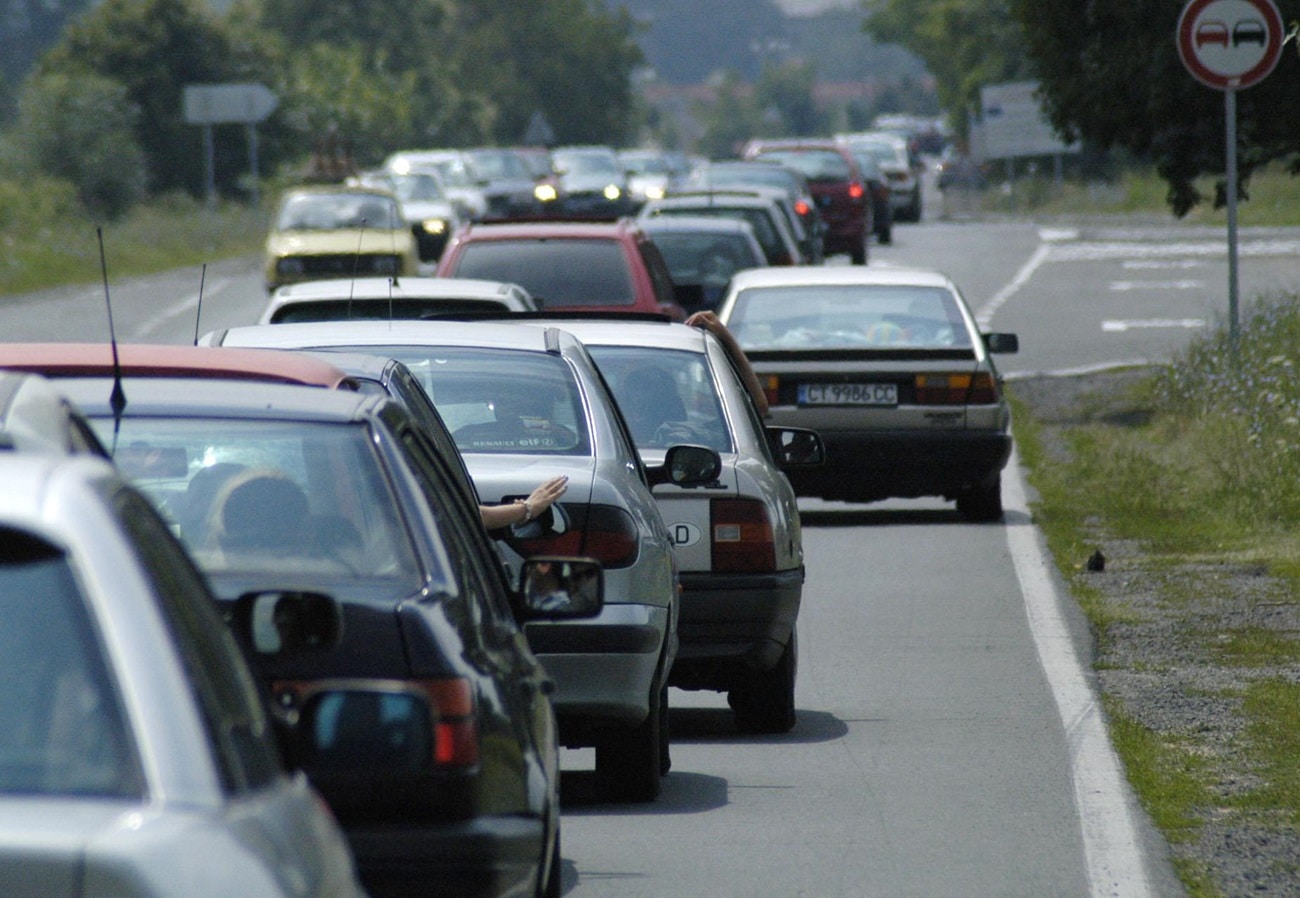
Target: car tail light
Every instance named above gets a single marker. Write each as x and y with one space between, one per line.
802 209
771 388
603 532
855 191
956 389
455 725
742 536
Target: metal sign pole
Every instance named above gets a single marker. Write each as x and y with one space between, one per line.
1230 163
210 168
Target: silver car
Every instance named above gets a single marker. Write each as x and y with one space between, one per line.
738 539
525 404
135 758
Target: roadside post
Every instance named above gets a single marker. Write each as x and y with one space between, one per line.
1230 45
228 104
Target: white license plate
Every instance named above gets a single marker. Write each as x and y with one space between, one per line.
848 394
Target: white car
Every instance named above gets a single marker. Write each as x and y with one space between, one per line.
737 539
136 757
384 298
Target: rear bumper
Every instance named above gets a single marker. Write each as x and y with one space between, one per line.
603 668
865 466
484 857
733 625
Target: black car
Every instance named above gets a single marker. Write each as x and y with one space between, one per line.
427 725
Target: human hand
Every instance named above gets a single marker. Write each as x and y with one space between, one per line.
545 495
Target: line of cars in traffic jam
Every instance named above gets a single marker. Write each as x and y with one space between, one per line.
279 617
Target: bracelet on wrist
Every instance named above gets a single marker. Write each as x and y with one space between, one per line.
528 511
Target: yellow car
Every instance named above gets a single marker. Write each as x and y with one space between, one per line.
338 232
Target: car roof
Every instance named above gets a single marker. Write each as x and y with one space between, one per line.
383 287
670 335
715 198
888 275
337 189
532 230
711 224
190 397
396 333
138 360
26 475
36 417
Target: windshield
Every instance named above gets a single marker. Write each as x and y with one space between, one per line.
561 272
703 257
334 211
256 497
668 398
417 187
848 316
500 400
499 165
588 164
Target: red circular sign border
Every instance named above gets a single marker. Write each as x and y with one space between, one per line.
1272 53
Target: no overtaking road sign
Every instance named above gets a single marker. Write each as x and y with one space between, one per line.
1230 44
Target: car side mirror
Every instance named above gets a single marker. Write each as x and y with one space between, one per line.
553 587
687 466
1002 343
279 622
796 447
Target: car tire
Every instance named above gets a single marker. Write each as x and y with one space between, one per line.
914 208
858 253
629 762
765 704
982 502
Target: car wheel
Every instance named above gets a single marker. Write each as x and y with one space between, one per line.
766 703
982 502
885 236
629 762
914 210
858 253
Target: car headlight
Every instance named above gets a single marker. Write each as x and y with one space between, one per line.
545 193
612 192
654 192
434 226
290 265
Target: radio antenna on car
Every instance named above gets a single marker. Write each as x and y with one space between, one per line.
198 312
356 262
116 399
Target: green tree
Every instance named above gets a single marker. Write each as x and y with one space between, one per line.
787 91
1110 75
82 130
27 29
153 48
571 60
965 44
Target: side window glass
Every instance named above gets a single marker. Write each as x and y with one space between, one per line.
476 565
658 268
64 732
227 695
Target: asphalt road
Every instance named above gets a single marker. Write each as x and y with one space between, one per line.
946 741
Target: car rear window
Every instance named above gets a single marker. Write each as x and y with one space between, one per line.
759 219
500 400
559 272
379 309
705 258
64 732
815 165
667 397
847 316
266 496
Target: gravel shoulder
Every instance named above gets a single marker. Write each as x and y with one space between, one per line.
1161 666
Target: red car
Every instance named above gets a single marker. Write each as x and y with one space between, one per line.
837 185
568 266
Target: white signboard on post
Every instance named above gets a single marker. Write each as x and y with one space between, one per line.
228 104
1013 124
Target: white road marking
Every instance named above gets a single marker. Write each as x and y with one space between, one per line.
1116 864
1125 286
182 307
1163 264
1119 326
